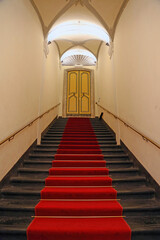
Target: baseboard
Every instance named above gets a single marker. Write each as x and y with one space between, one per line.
19 163
151 181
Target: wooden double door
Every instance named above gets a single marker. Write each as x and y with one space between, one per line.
78 93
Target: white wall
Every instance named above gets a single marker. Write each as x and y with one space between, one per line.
50 84
28 80
137 58
136 75
106 86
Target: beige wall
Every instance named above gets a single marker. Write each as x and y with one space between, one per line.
27 79
136 75
106 86
50 83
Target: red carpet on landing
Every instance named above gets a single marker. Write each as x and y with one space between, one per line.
78 200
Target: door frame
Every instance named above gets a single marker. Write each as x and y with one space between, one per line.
64 100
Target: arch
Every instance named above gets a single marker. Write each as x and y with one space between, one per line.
78 56
88 6
78 45
75 28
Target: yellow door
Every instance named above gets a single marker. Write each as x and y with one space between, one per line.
78 93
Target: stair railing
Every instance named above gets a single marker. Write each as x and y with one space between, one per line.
11 137
145 138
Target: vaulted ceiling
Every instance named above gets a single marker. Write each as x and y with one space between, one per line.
105 13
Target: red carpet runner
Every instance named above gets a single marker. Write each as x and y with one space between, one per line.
78 201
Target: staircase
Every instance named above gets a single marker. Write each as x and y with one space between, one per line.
20 195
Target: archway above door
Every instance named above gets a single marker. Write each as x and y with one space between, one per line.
78 56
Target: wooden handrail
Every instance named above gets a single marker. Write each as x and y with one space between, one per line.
147 139
28 125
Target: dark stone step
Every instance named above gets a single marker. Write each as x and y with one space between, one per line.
27 181
31 193
135 207
55 146
120 182
113 172
51 156
43 142
104 142
140 231
115 157
25 192
99 138
48 146
53 150
139 193
144 227
37 164
46 164
98 133
95 126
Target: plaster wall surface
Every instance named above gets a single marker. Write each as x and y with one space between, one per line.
132 89
28 80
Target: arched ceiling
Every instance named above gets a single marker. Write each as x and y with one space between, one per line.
105 13
78 56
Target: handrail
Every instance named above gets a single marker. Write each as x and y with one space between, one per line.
147 139
28 125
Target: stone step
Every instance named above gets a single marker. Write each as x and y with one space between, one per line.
117 182
143 228
51 156
31 193
111 171
100 138
48 163
20 195
104 142
55 146
53 150
132 207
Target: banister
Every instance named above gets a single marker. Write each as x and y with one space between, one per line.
147 139
11 137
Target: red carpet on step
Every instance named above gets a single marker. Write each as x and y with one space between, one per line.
78 171
78 208
84 163
78 193
79 151
79 229
78 156
78 181
61 146
93 142
78 201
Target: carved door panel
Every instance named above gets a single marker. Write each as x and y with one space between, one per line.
84 92
72 92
